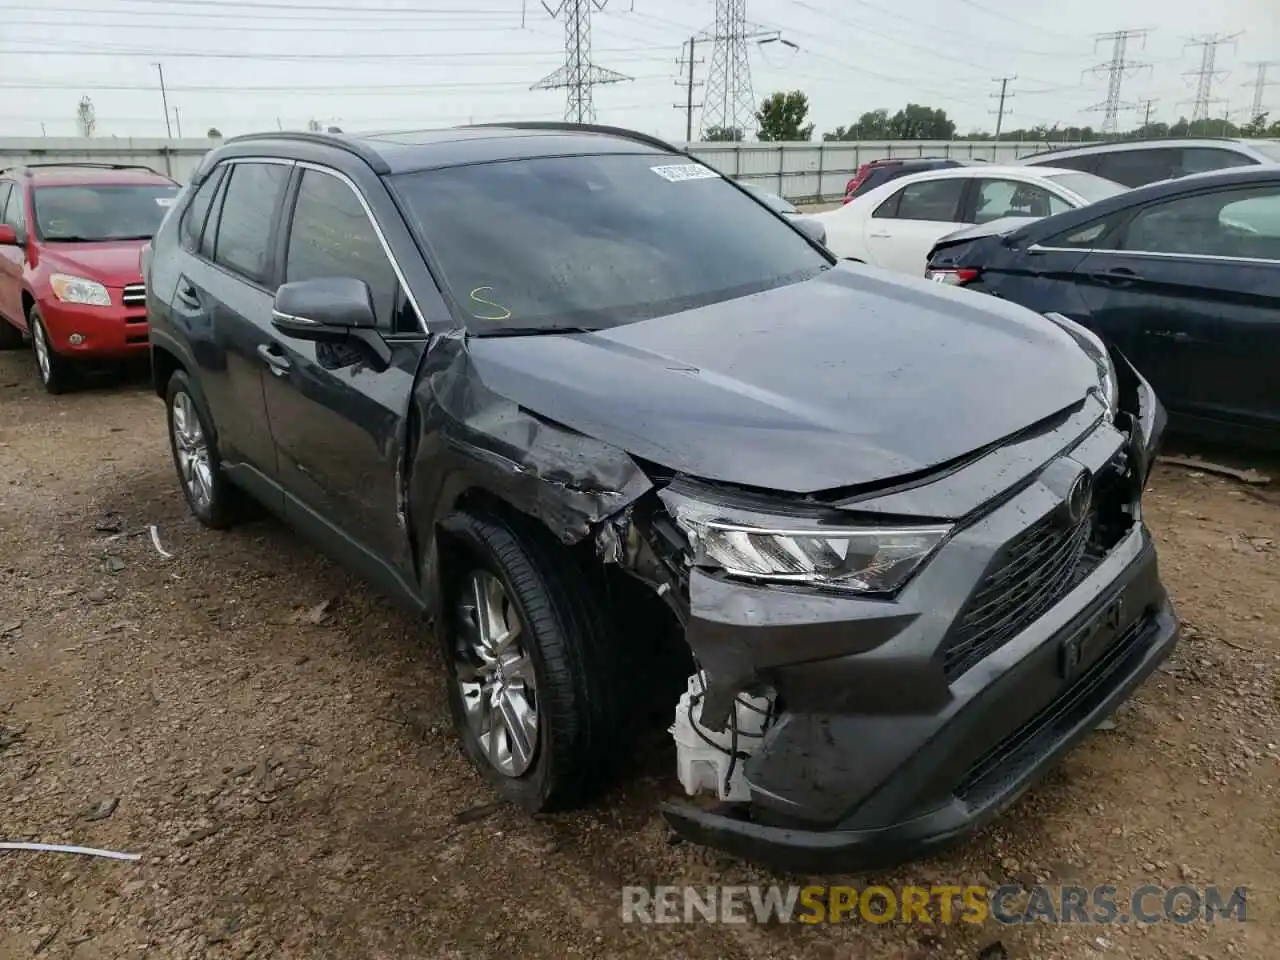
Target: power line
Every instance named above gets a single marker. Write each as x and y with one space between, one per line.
1260 84
240 28
309 8
1002 95
382 90
578 76
1117 68
688 63
1208 44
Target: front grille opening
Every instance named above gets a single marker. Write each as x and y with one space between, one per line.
1037 568
134 295
1005 763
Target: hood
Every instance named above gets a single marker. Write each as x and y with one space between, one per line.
854 377
114 262
994 228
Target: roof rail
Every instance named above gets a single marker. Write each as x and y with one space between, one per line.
339 141
46 164
569 127
1126 140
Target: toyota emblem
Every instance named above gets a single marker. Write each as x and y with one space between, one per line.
1078 498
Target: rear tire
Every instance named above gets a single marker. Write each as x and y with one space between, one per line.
55 371
561 660
213 500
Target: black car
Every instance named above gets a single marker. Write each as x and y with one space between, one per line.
875 173
546 382
1182 276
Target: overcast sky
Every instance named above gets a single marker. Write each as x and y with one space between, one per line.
393 63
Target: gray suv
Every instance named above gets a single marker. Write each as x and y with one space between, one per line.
1135 163
600 416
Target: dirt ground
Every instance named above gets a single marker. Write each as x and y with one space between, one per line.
272 737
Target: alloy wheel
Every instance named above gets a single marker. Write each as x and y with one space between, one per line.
495 675
41 344
192 449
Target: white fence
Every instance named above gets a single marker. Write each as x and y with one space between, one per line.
798 171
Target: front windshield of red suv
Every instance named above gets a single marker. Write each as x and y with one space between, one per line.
90 212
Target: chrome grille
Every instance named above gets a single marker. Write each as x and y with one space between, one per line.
135 295
1035 569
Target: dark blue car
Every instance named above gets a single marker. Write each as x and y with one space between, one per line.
1183 276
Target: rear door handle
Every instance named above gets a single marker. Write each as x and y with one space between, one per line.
277 361
1179 335
1117 277
879 236
188 294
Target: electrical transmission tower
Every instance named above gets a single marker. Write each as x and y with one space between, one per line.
729 102
1116 69
1260 84
1208 44
1002 96
578 75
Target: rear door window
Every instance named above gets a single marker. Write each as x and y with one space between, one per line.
4 195
253 193
1085 163
1135 168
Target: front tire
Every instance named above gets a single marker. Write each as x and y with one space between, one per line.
210 495
55 372
533 671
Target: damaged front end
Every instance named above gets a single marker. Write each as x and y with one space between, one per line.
880 671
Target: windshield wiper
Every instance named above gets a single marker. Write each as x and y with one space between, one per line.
72 238
532 331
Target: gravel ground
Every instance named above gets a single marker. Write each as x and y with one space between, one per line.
271 736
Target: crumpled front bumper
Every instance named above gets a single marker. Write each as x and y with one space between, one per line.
878 757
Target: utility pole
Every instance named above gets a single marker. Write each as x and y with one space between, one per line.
689 84
164 101
1208 44
1116 69
1260 84
1004 87
1146 112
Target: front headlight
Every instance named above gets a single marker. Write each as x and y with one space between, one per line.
70 289
1092 344
862 559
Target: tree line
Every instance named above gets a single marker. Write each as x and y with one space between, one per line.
783 117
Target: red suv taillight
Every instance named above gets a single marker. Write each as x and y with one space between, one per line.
859 175
955 278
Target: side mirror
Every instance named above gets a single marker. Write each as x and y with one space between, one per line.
323 309
8 236
811 228
329 310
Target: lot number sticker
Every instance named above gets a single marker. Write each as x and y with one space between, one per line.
164 201
678 172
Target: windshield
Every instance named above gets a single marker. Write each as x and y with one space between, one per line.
1268 148
91 212
595 241
1088 186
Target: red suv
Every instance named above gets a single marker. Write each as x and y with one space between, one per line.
70 280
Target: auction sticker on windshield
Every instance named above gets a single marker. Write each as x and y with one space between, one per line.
677 172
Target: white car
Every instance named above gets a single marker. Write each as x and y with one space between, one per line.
895 225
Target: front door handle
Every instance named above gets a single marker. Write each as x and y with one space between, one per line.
1116 277
188 294
1180 335
277 361
879 236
